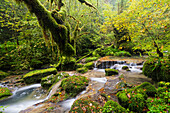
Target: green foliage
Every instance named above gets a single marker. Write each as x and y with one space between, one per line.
157 69
36 75
164 93
70 87
122 53
162 84
85 105
150 89
4 93
89 59
3 75
89 65
157 105
82 70
111 106
110 72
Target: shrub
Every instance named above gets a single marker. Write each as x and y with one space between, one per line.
89 65
3 74
36 75
157 105
111 106
4 93
85 105
110 72
70 87
150 89
89 59
122 53
157 69
162 84
35 63
164 93
82 70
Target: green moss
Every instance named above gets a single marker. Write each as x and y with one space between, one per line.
122 53
123 99
35 63
35 76
85 105
68 64
110 72
79 65
132 99
157 69
70 87
150 89
4 93
112 106
48 81
89 65
3 75
82 70
125 68
89 59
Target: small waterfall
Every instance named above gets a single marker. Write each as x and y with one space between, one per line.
101 65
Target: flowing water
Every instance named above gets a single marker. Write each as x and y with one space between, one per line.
23 98
29 95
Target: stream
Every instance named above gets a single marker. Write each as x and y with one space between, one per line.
30 95
23 98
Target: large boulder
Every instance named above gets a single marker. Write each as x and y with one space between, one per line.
110 72
36 75
148 87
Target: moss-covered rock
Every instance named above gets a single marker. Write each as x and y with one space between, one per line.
123 99
89 65
89 59
110 72
79 65
4 93
150 89
125 67
132 99
70 87
36 75
3 75
112 106
122 53
85 105
157 69
82 70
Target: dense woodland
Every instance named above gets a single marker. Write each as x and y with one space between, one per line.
59 34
